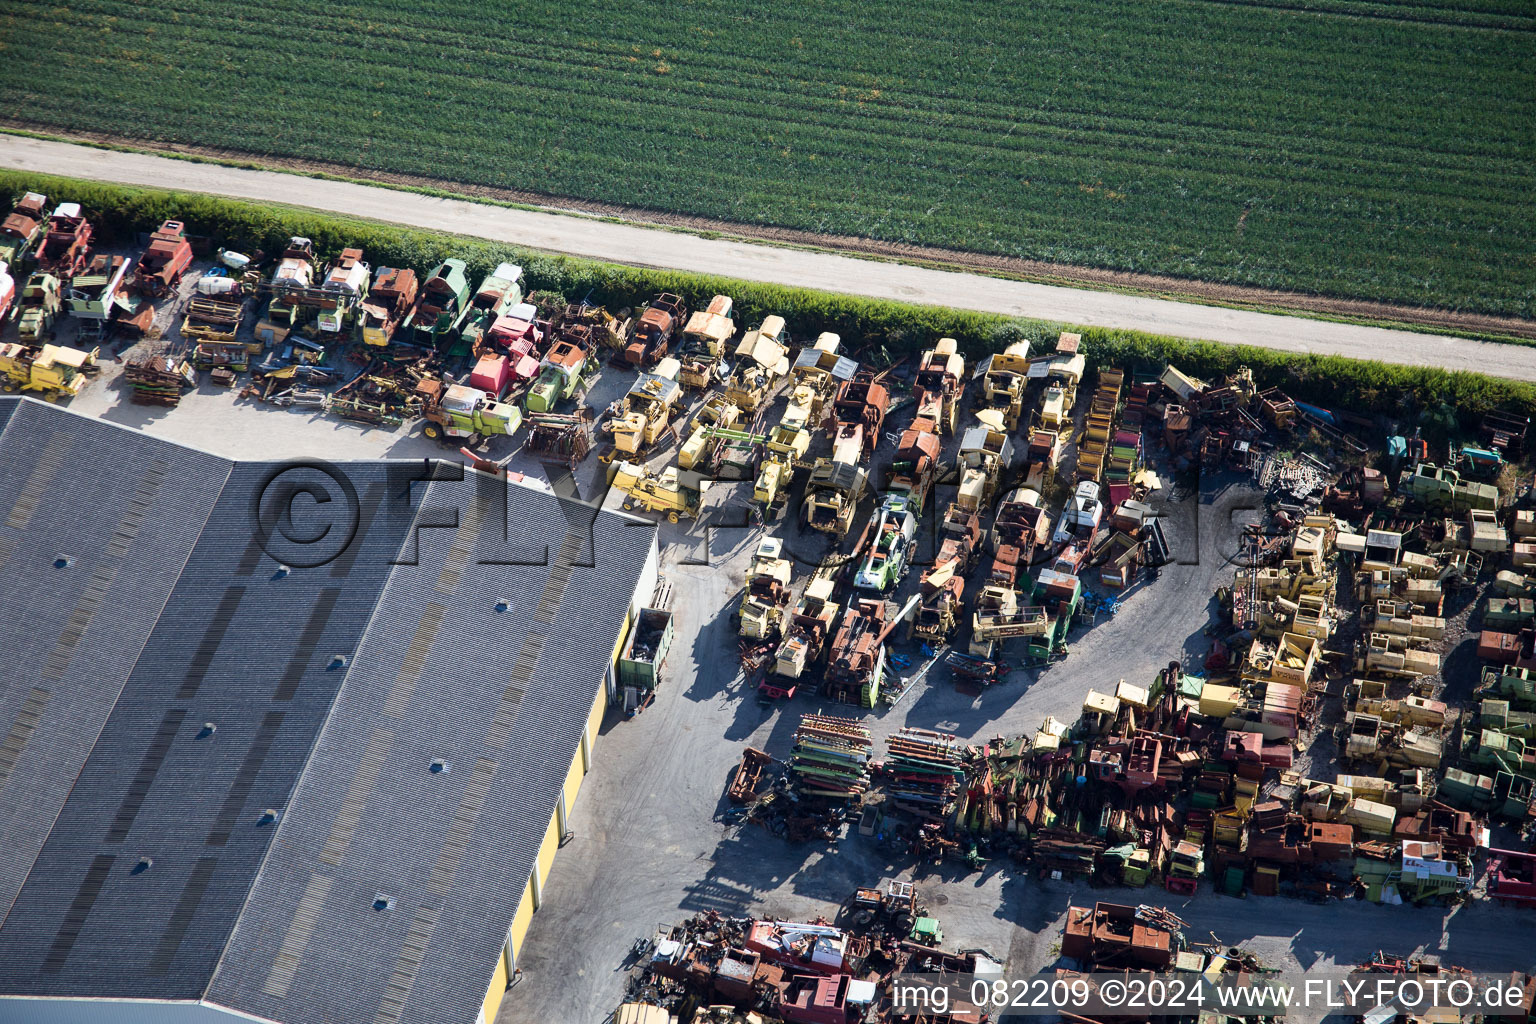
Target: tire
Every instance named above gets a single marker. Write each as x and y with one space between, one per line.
629 506
432 431
672 516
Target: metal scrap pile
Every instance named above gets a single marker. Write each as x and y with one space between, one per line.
383 394
924 771
159 379
712 968
832 757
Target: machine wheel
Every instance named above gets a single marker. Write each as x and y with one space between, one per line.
672 516
629 506
50 396
432 431
605 458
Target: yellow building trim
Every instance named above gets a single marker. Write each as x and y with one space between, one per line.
548 848
496 991
521 920
618 647
573 785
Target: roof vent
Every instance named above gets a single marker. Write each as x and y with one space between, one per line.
439 766
268 816
282 571
63 561
208 730
382 902
502 605
144 864
337 661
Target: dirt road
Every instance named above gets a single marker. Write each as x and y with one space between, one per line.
641 246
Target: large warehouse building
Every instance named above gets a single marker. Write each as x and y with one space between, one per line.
286 743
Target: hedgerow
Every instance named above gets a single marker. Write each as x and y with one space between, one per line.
875 328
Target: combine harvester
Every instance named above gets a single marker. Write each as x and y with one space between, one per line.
455 411
678 493
655 330
54 371
819 372
705 338
389 302
940 385
1005 376
642 417
561 372
856 662
22 230
343 290
41 305
1063 371
1022 523
66 245
765 601
762 362
894 532
805 636
786 447
832 494
943 585
498 295
93 294
985 455
441 305
859 413
164 262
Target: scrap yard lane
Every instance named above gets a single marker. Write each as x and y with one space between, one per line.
626 243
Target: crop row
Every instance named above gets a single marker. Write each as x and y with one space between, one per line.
1336 146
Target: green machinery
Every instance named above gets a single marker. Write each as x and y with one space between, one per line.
441 305
1443 490
560 377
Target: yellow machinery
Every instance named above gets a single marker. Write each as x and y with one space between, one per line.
645 414
985 453
1003 380
766 599
761 363
1063 372
717 412
817 373
676 492
54 370
786 446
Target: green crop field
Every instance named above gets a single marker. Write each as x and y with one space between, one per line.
1354 148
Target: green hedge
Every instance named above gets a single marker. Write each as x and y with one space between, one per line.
866 325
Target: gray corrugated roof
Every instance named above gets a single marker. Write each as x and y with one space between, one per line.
120 511
450 849
244 649
284 913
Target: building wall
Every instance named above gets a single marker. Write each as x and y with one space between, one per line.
25 1010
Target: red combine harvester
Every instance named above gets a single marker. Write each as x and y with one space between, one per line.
67 245
167 258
